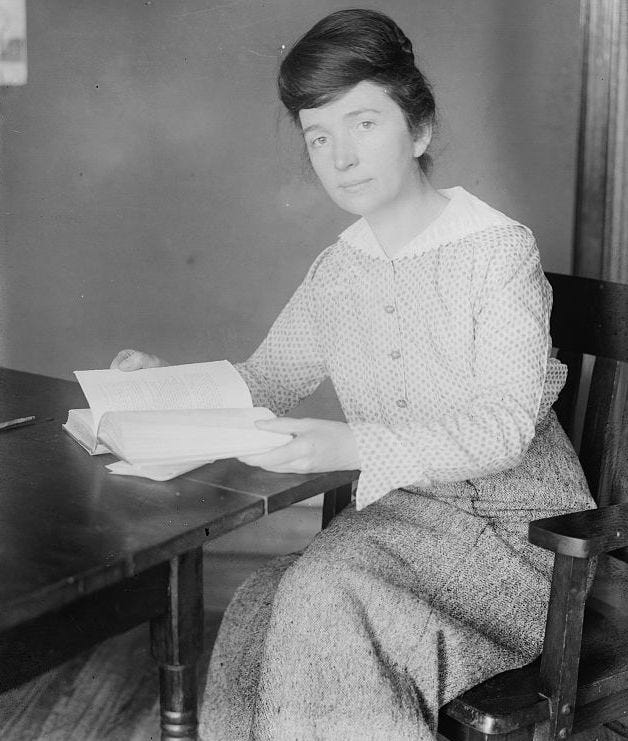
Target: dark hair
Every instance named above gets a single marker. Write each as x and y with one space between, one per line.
348 47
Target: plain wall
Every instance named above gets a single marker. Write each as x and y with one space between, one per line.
154 194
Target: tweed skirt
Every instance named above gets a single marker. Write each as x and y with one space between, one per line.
394 610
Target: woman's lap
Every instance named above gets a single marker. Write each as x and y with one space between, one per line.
416 596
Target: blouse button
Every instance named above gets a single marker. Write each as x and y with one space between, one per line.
402 403
389 309
395 354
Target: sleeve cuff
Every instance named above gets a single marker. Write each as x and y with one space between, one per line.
385 464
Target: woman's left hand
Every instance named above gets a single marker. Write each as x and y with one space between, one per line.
318 445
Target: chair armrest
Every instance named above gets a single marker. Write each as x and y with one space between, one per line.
583 534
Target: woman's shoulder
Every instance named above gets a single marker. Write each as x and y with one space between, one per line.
472 218
493 237
497 247
503 242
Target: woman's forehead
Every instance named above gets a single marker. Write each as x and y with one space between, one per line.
365 96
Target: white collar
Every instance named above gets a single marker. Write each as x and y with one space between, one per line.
463 215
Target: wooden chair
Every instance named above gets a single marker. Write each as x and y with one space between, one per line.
581 680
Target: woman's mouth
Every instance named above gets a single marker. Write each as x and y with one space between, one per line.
354 186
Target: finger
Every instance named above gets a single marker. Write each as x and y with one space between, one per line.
134 361
299 465
287 425
121 357
280 456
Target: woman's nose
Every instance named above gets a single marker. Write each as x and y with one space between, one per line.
345 155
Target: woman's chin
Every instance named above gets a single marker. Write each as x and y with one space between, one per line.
359 206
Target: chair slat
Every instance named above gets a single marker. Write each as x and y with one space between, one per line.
565 406
588 316
599 425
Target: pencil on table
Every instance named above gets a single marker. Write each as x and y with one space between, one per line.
20 422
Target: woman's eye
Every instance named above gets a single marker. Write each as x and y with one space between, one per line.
318 142
366 125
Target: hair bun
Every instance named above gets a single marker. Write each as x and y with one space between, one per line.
405 45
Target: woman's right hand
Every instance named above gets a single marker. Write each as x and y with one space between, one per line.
130 360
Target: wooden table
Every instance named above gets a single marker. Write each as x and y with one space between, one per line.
85 555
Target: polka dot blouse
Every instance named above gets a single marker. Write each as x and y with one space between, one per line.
440 356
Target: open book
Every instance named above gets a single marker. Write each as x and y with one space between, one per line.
162 422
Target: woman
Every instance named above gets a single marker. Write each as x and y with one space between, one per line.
430 314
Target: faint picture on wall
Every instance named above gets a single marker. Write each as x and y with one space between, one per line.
12 42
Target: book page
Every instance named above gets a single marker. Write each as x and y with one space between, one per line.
168 437
194 386
156 473
80 427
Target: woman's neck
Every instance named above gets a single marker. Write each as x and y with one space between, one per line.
407 217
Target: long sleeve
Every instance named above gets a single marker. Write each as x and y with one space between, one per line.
288 365
493 430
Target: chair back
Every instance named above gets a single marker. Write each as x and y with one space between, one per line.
590 318
581 679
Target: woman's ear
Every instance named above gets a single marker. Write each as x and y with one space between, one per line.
422 140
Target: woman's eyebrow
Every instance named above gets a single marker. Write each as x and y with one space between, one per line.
312 127
360 112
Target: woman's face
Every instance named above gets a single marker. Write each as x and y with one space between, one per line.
362 150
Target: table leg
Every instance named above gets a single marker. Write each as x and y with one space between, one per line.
176 644
334 501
